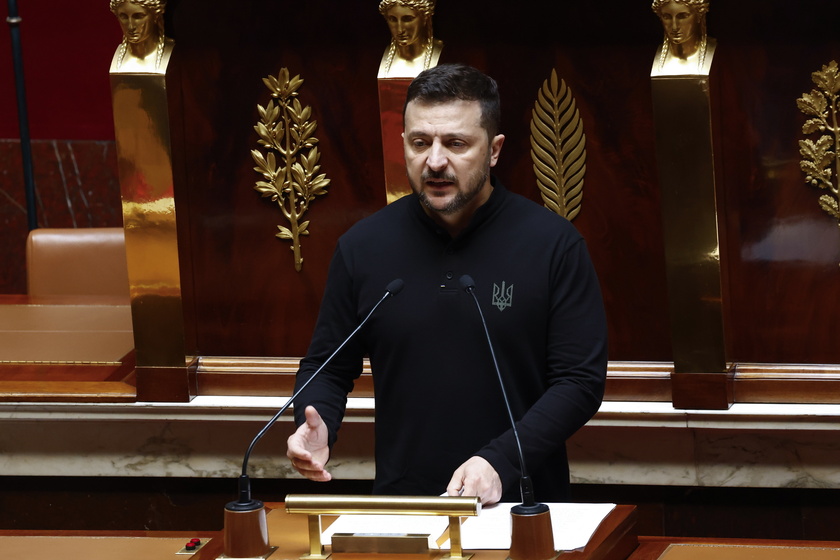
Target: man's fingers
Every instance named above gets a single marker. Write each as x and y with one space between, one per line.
311 470
476 477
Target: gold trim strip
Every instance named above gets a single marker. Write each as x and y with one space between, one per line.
238 364
56 362
315 504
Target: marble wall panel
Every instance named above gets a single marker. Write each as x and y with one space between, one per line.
168 449
610 455
76 186
761 459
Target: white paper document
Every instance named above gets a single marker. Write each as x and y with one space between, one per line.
573 526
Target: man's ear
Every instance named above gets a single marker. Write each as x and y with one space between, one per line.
496 148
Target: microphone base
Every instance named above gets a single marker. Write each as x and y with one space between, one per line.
246 531
532 537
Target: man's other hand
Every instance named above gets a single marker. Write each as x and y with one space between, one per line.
308 447
476 477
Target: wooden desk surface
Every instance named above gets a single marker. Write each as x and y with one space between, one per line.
94 330
673 548
614 540
66 349
93 545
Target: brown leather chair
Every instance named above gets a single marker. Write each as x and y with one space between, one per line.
76 262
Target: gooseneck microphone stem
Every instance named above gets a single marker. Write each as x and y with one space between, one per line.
526 487
393 288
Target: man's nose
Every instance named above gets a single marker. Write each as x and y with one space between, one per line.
437 158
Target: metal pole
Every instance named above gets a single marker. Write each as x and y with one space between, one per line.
23 119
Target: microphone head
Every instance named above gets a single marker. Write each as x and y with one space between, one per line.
467 283
395 286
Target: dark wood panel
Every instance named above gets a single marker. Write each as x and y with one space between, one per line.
783 250
248 298
780 251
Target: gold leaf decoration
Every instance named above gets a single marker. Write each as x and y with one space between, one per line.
819 157
289 167
558 148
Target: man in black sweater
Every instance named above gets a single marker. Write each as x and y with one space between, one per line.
441 423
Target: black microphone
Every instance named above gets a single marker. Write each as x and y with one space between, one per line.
245 503
526 487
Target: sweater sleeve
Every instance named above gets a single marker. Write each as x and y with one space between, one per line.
576 363
337 318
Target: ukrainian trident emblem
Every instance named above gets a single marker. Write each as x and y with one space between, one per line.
502 297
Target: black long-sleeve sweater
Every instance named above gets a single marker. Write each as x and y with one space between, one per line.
438 400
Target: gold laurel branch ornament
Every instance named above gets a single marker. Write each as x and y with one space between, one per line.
818 157
558 148
289 166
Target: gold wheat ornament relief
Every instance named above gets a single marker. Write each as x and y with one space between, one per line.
289 167
819 158
558 148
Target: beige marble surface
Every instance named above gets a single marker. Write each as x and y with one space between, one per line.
626 443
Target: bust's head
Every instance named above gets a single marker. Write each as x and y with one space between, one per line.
410 21
140 20
684 21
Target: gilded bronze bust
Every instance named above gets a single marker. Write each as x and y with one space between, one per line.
413 47
144 48
686 47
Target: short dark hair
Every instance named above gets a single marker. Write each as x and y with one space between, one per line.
450 82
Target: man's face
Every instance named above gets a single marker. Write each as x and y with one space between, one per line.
405 25
448 155
679 22
136 23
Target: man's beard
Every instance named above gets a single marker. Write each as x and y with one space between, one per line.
462 197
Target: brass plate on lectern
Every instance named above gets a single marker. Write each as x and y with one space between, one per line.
408 543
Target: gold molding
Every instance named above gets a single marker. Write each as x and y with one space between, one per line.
292 180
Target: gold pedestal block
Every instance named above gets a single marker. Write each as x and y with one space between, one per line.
392 92
141 124
685 158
